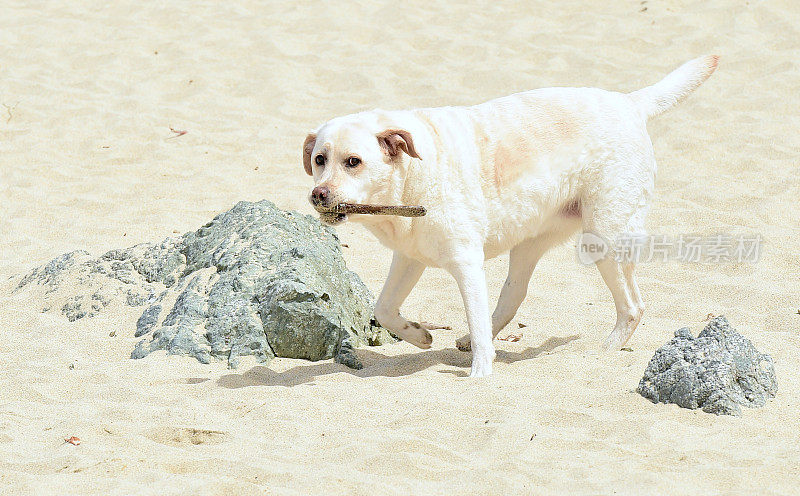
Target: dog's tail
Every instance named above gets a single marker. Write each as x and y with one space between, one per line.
660 97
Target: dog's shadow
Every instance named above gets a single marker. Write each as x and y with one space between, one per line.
377 364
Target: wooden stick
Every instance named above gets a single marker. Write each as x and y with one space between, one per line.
357 208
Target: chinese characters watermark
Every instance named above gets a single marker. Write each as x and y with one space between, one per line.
684 248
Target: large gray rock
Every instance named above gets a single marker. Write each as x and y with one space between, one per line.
718 371
256 280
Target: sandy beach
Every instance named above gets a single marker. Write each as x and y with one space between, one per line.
94 99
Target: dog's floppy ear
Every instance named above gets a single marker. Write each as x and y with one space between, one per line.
308 147
395 140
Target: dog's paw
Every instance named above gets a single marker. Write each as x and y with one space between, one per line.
482 364
621 333
415 334
610 344
464 343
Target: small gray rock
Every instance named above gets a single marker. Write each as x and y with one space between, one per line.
74 309
718 371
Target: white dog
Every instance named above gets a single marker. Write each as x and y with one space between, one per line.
520 173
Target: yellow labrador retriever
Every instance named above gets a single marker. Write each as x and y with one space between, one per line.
520 173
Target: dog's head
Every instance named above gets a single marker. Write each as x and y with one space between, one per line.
352 162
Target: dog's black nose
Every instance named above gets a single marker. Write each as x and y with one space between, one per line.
320 194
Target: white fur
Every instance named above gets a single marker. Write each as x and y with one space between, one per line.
521 173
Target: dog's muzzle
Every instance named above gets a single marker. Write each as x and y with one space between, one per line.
320 196
332 218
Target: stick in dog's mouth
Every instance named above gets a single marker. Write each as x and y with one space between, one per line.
359 208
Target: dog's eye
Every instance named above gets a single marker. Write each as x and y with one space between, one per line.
353 162
319 159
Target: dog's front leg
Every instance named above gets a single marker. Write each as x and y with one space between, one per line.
471 281
403 275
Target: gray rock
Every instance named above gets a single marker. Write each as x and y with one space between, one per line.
49 273
148 320
82 286
718 371
256 280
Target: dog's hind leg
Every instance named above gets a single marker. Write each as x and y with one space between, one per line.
616 211
403 275
522 261
629 313
619 276
633 286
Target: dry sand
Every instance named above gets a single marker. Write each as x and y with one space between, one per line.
87 160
